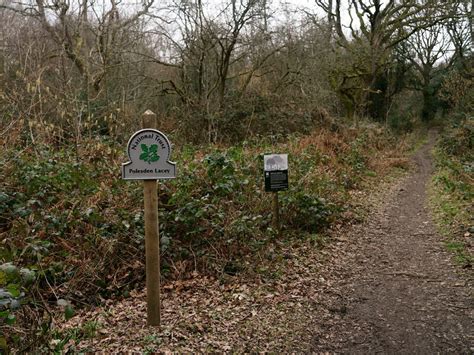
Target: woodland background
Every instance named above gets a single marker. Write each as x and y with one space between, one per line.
339 86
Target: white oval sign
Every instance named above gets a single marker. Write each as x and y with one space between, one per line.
149 152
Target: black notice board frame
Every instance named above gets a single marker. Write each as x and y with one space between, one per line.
276 180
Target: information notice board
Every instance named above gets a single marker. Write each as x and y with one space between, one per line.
276 172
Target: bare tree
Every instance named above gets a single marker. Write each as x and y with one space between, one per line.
375 27
461 34
88 38
427 49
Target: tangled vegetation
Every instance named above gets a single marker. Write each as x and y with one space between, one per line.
73 230
452 189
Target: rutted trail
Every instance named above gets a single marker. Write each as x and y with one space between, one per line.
398 291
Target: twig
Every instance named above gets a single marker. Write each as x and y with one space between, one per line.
408 274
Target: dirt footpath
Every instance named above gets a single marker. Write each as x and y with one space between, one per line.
397 291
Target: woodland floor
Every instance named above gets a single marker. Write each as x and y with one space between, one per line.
387 285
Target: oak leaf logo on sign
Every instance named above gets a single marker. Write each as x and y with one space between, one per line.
149 153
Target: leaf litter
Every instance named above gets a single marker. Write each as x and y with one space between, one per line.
278 311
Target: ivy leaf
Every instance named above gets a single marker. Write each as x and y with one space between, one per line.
27 276
14 290
68 312
165 242
10 319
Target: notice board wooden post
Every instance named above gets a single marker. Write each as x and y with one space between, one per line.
149 152
152 240
276 212
152 249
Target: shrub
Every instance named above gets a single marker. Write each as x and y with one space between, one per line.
80 227
459 141
305 211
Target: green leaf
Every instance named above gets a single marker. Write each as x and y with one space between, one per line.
14 290
3 343
27 276
11 319
10 270
68 312
154 158
144 148
153 148
144 156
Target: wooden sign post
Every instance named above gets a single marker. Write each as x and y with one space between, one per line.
276 212
149 151
275 168
152 249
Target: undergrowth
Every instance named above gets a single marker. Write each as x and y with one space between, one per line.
72 230
452 190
